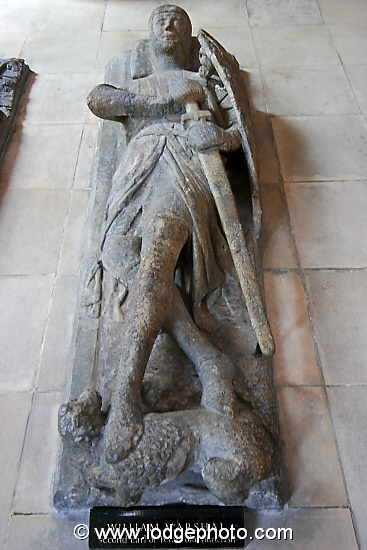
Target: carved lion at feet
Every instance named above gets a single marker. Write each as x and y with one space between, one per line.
239 457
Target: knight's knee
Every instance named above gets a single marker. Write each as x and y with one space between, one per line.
163 239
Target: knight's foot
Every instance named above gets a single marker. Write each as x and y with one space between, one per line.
120 438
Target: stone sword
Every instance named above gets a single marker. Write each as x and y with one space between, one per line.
220 188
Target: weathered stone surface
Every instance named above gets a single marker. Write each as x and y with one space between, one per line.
168 381
13 78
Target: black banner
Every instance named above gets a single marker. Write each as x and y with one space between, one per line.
173 526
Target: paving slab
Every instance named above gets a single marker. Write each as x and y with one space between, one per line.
24 303
61 52
17 15
338 301
276 242
73 239
313 529
348 409
41 157
58 16
11 44
322 148
294 46
357 75
39 456
295 362
55 352
283 12
237 41
350 42
84 166
31 229
297 91
55 99
337 12
17 407
310 450
329 222
42 532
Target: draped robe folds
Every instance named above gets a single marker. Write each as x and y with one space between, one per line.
159 176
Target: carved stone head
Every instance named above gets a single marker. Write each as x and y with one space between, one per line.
170 35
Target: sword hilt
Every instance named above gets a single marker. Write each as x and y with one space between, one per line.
194 114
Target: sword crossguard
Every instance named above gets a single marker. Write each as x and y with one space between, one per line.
194 115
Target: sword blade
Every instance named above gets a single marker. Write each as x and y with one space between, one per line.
220 188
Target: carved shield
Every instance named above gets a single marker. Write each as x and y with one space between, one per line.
230 74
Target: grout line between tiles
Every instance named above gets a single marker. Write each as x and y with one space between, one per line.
18 467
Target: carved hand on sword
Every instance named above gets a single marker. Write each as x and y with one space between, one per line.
220 188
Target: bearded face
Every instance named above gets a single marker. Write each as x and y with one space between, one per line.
170 34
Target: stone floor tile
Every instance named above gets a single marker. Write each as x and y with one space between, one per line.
283 12
39 456
328 529
24 306
294 46
329 223
31 228
351 43
297 91
357 75
252 79
128 15
55 351
11 44
348 410
114 43
84 167
338 12
14 412
295 361
311 455
61 52
61 16
71 251
237 41
276 242
338 301
215 13
54 99
42 532
41 157
134 14
321 148
267 158
17 15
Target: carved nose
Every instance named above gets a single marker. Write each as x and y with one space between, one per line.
168 24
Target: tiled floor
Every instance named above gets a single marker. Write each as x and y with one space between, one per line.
308 78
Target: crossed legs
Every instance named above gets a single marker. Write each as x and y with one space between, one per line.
154 302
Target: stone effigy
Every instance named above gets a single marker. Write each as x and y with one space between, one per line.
13 79
171 392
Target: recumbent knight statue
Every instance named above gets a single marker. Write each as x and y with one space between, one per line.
180 387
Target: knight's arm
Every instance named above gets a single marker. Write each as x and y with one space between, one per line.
106 101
